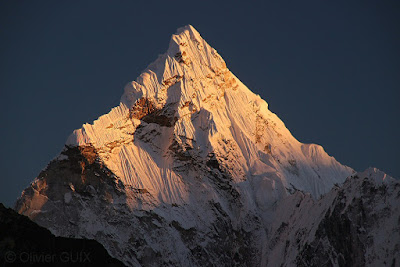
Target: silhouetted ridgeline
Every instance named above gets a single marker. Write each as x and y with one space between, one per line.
23 242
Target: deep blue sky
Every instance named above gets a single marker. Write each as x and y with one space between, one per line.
329 69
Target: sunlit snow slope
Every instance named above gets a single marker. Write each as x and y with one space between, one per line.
208 109
193 169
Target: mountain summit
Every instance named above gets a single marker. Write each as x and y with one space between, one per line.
191 169
187 106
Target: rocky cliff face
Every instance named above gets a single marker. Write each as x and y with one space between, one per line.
356 224
190 169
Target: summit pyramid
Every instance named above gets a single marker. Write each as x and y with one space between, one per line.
191 169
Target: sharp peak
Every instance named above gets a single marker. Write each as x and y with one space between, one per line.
185 34
188 53
188 28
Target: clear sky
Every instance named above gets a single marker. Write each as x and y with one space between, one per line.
329 69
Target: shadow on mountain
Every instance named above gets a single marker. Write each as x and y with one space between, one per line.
24 243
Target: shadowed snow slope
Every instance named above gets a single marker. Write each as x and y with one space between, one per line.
189 169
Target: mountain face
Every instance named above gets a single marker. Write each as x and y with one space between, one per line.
193 169
24 243
357 224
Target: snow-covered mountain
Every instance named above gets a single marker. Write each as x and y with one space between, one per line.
356 224
193 169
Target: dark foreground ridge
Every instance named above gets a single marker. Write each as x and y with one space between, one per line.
24 243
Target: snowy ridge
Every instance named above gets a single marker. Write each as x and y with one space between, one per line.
193 169
210 105
352 225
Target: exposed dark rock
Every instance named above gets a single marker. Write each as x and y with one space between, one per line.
171 81
79 175
142 107
343 235
145 110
